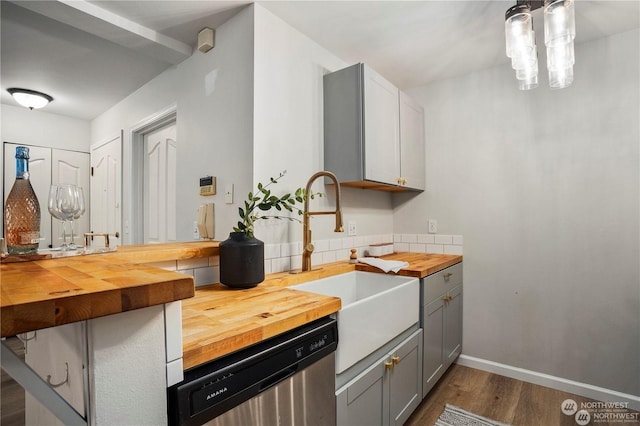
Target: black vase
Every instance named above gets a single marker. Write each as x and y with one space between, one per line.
241 261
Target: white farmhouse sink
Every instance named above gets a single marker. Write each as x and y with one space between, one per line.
375 309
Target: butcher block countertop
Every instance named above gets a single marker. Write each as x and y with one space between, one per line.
219 321
420 264
150 253
47 293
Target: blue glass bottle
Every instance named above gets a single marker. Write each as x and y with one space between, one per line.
22 210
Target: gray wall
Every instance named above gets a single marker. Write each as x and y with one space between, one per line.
544 187
213 96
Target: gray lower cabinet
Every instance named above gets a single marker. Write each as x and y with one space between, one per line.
388 391
442 323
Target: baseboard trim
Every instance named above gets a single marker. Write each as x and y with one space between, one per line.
564 385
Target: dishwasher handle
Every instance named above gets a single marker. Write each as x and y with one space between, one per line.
278 377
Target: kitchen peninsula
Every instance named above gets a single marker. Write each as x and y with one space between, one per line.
127 311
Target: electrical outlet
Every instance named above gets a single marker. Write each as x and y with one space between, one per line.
351 229
433 226
196 233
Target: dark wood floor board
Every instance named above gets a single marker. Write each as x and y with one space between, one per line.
499 398
11 393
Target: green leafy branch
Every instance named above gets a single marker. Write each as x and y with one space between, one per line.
263 200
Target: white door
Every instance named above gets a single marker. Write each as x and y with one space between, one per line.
106 189
40 178
160 185
71 167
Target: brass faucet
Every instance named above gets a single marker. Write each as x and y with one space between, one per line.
307 246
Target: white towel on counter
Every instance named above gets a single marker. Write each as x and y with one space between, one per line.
385 265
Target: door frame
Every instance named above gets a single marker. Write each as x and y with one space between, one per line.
163 118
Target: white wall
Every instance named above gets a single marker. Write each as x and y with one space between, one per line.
288 131
213 95
544 187
38 127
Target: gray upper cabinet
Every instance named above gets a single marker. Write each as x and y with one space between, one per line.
412 153
373 133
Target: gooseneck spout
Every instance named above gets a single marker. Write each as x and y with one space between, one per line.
307 246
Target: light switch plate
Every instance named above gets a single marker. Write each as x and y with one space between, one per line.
228 193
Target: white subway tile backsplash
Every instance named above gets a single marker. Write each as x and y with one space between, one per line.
435 248
451 249
208 275
409 238
281 264
316 258
335 244
296 262
199 262
359 242
457 240
267 266
444 239
186 272
401 246
397 238
417 248
329 257
169 265
347 242
285 250
295 248
271 251
426 238
321 245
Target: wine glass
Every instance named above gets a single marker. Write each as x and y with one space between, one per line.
79 210
67 201
54 210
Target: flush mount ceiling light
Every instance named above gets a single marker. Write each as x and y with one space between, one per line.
30 98
559 33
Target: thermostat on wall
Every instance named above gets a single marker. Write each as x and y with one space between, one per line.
208 185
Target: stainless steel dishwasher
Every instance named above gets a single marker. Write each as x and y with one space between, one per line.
286 380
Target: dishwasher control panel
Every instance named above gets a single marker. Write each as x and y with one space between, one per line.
215 387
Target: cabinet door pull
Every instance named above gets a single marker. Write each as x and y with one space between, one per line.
388 365
447 275
66 377
395 359
447 298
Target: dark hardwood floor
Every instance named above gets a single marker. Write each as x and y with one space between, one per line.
11 393
490 395
499 398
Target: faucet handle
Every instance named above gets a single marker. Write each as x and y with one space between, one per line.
309 248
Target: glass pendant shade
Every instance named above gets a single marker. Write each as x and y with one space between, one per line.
30 98
559 34
521 46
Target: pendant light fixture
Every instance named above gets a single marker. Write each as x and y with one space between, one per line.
30 98
559 34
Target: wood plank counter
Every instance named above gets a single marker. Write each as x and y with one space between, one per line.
149 253
46 293
219 321
420 264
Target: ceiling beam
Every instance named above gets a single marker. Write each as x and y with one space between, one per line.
95 20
